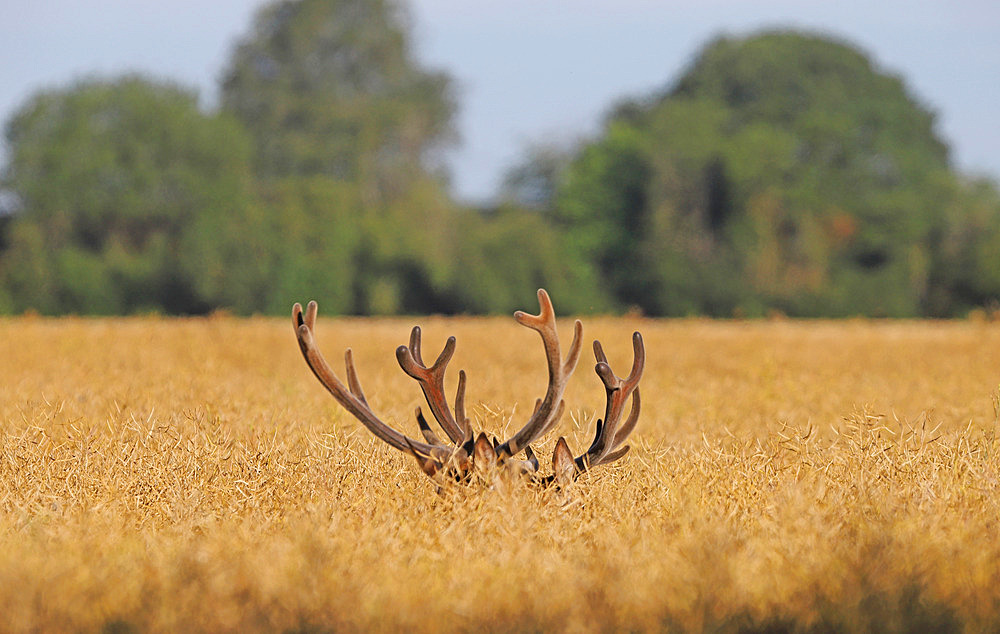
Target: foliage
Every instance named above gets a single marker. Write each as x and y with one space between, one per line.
501 257
313 231
781 171
966 270
344 122
332 88
532 183
131 199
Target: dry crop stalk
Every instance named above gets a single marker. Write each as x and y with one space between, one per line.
464 451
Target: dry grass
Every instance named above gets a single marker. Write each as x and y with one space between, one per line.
185 475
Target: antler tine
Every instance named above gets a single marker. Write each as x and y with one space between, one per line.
460 417
352 377
310 317
625 430
559 372
415 345
425 429
352 399
613 450
431 382
611 432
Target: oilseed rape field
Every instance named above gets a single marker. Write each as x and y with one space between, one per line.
161 474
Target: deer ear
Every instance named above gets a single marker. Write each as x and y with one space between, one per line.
562 462
484 455
532 459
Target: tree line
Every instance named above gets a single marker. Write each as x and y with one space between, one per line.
781 172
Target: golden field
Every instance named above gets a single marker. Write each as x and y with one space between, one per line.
192 475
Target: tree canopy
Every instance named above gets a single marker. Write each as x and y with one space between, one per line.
130 199
781 171
332 88
344 121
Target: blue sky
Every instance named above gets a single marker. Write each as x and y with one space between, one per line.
531 71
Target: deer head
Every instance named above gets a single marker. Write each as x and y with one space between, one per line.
464 451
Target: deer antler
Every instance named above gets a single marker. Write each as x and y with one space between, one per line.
432 383
547 413
352 398
466 450
610 433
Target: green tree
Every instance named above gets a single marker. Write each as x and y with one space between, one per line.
129 198
332 88
503 256
313 235
533 183
331 91
781 170
966 266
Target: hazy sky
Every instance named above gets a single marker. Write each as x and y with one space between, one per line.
533 70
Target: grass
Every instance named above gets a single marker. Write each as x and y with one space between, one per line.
191 475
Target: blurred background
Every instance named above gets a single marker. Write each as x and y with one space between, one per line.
728 158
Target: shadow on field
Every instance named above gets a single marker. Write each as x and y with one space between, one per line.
905 611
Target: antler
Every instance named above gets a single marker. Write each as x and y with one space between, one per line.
464 453
352 398
547 413
611 432
432 383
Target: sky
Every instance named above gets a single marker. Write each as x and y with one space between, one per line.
533 71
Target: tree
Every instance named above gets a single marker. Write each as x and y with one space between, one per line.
502 257
331 88
330 91
966 266
781 171
129 198
533 183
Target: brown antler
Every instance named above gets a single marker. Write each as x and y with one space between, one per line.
352 398
467 451
432 384
547 413
611 432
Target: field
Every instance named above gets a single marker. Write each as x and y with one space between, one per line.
192 475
